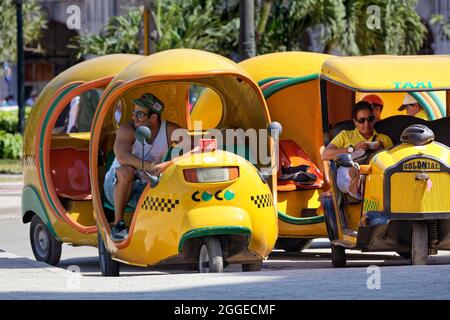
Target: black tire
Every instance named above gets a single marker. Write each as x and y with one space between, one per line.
44 245
404 255
250 267
108 266
419 243
210 258
338 256
293 244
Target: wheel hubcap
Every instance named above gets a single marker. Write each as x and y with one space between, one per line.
42 242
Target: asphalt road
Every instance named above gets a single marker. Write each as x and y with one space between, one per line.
305 275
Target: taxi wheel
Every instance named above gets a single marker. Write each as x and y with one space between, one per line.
210 258
45 247
338 257
419 243
108 266
248 267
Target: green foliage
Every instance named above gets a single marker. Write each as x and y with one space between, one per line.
33 23
190 24
10 145
120 35
343 26
10 119
443 24
401 28
290 19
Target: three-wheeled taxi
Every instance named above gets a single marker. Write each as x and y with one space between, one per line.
57 197
406 188
290 84
209 207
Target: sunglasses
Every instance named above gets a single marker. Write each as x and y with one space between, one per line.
140 115
369 119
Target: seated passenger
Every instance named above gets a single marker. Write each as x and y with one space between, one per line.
124 182
413 108
357 141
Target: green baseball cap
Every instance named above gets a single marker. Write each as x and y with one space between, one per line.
148 100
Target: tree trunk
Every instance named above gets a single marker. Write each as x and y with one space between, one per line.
265 12
247 29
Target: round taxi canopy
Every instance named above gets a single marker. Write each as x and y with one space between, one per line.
169 74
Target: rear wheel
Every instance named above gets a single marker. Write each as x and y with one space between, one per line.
419 243
248 267
210 258
45 247
108 266
338 256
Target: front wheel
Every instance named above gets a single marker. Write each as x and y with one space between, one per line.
45 247
108 266
419 243
338 256
210 258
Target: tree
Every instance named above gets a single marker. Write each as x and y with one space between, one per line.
343 26
120 35
401 28
34 22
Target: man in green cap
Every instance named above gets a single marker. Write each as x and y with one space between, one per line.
124 182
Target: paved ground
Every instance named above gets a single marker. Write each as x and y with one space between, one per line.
306 275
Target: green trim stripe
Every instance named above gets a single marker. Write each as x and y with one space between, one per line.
424 105
287 83
31 201
300 221
211 231
267 80
41 141
438 102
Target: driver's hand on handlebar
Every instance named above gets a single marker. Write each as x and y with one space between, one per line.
156 170
361 145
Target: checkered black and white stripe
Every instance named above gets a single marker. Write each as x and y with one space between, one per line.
262 200
159 204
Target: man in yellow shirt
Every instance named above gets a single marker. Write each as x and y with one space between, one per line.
363 138
413 108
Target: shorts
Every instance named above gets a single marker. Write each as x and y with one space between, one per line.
109 186
349 183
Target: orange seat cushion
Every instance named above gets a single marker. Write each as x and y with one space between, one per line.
70 173
291 155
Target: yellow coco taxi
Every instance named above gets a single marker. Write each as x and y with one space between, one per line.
209 207
290 84
57 197
406 199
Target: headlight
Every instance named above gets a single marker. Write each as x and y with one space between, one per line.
213 174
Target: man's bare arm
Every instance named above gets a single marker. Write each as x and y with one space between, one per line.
331 151
123 147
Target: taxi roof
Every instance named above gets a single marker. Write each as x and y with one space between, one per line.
182 63
284 64
389 73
